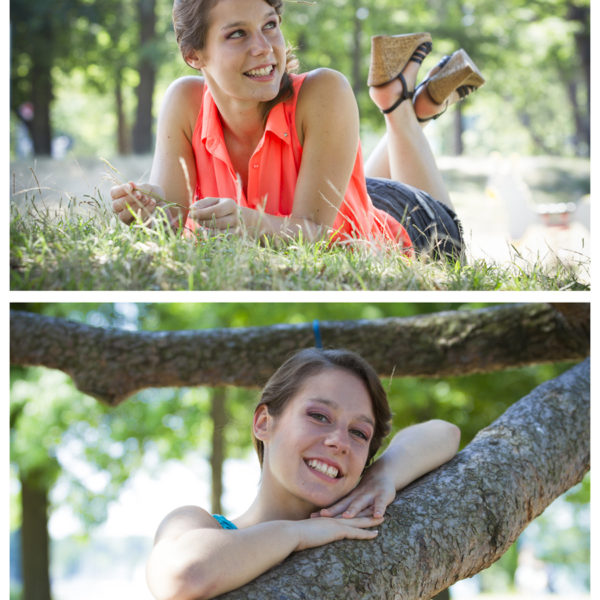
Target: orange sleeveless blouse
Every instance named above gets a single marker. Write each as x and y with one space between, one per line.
273 172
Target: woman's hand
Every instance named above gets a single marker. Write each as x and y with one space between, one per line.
318 531
371 496
217 213
131 200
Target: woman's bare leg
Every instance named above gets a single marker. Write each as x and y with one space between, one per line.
378 163
409 156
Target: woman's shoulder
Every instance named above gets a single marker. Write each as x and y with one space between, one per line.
324 80
181 104
183 519
185 90
325 93
183 97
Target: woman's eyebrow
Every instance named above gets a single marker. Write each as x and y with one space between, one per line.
333 404
268 14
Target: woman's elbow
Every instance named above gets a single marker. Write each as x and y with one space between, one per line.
449 434
453 437
177 581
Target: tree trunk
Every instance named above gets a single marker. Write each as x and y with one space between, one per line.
123 146
40 75
457 140
459 519
580 14
34 540
580 121
218 414
538 141
356 49
112 364
142 130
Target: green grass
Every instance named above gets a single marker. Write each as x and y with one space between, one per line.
83 247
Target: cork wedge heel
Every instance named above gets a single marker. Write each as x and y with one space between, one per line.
391 53
457 73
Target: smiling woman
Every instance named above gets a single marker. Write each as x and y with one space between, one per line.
251 146
320 420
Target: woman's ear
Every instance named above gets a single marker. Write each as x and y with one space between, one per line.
195 59
261 425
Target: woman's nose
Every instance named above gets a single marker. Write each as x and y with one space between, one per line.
261 44
338 439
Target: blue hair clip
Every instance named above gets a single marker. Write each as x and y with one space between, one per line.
317 332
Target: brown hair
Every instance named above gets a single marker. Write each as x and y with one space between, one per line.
291 375
191 21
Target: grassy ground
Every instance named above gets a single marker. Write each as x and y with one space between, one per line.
74 243
91 253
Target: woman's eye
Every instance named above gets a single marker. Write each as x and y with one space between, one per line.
319 417
236 34
271 25
360 434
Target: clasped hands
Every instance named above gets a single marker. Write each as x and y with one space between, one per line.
370 497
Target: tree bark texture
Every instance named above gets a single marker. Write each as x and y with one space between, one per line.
459 519
34 534
112 364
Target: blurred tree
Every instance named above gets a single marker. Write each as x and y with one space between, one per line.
142 129
112 43
42 34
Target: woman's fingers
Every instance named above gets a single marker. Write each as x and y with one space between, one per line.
379 506
215 213
131 200
354 506
349 507
362 522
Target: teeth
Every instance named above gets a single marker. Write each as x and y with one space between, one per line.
260 72
328 470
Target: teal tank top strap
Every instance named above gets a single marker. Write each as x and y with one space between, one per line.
224 523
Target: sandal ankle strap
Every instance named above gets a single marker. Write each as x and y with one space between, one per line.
406 95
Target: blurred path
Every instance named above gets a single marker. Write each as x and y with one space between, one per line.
503 221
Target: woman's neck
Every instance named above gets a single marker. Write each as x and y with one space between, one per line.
272 504
242 120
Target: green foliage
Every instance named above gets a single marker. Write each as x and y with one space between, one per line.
532 54
51 420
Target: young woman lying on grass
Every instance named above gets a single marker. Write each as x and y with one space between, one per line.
320 420
251 144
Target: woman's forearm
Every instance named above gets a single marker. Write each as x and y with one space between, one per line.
417 450
260 224
203 563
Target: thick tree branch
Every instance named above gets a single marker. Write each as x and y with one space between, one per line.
112 364
460 518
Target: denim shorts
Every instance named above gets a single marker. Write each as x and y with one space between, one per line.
433 227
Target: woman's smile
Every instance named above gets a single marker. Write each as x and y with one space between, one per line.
324 469
264 73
